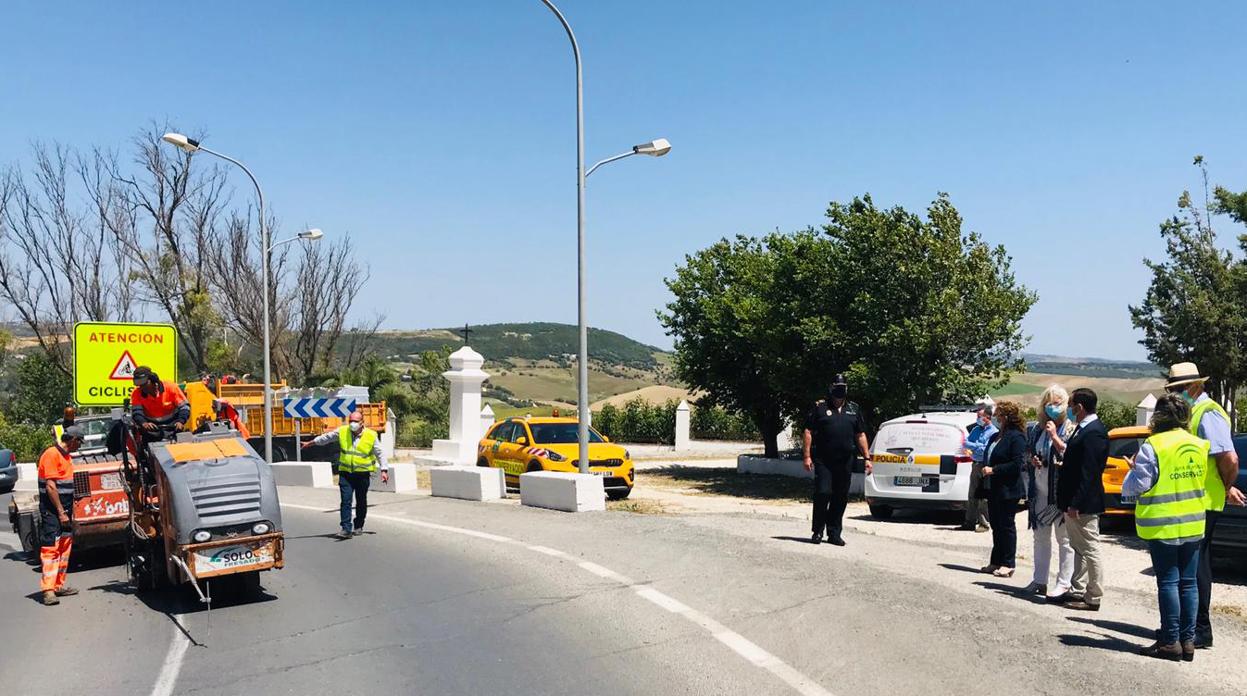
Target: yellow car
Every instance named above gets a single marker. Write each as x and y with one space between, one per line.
521 445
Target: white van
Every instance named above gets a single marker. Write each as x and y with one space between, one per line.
920 462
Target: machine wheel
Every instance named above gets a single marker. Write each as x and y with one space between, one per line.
619 495
146 563
27 527
534 465
882 512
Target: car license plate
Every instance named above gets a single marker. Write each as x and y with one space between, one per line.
229 557
1129 500
908 481
110 481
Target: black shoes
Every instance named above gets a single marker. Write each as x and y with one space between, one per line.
1080 605
1065 598
1202 640
816 538
835 539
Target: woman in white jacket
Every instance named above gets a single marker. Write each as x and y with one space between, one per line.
1046 444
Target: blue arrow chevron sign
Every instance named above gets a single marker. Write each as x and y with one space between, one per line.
318 408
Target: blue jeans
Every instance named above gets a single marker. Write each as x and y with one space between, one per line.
356 485
1176 567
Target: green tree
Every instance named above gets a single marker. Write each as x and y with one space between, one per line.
910 308
1194 310
42 393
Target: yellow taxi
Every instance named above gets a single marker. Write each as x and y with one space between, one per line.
521 445
1122 443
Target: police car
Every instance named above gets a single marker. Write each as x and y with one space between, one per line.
920 462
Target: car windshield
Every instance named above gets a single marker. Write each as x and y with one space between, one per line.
559 434
1122 447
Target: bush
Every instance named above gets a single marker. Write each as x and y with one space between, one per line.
714 423
27 441
413 432
1115 414
642 421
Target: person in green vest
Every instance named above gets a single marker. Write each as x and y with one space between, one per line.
1169 476
1210 422
359 455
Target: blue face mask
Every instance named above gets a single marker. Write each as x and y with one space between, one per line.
1190 400
1069 413
1053 411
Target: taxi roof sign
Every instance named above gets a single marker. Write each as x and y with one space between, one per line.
106 355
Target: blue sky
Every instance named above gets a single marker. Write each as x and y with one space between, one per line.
440 135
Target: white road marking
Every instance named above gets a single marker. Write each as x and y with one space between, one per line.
754 653
173 661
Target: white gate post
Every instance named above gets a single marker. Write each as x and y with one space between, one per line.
683 427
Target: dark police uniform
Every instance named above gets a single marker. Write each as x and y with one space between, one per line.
833 435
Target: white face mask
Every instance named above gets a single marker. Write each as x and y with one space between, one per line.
356 426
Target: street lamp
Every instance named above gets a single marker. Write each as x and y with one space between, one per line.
656 148
191 146
309 235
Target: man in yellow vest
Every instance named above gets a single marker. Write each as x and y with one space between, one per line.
1210 422
1169 476
359 455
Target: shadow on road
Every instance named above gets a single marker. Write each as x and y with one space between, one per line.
1106 642
803 540
962 568
1116 626
953 518
1013 591
726 481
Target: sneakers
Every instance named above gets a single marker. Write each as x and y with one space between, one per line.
50 599
342 535
66 591
1164 651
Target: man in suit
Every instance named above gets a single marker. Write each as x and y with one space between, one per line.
1080 494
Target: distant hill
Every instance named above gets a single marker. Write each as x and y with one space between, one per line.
1091 367
534 341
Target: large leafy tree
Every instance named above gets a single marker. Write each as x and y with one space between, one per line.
912 308
1195 308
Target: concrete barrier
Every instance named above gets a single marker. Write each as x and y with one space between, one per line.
562 491
402 479
750 464
313 474
468 482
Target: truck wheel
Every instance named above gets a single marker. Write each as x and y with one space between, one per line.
882 512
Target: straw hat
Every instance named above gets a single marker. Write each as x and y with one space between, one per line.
1184 373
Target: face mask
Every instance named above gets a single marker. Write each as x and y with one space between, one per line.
984 420
839 392
1069 413
356 427
1053 411
1190 400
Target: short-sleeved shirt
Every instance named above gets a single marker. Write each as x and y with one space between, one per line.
55 464
162 405
833 431
1216 430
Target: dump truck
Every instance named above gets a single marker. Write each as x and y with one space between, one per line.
202 506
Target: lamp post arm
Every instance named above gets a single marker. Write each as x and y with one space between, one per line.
284 241
608 160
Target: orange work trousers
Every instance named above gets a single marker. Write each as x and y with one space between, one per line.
55 563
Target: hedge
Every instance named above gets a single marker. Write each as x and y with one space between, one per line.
27 441
645 422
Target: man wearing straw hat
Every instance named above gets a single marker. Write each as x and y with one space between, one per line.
1210 422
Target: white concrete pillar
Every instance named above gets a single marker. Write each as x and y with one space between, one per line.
487 419
465 377
784 441
1143 412
683 427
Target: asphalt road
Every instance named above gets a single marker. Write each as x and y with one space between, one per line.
537 602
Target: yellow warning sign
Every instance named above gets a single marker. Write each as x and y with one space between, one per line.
106 355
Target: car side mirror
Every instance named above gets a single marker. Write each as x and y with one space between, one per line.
522 440
605 439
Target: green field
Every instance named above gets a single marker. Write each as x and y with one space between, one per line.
1016 389
540 383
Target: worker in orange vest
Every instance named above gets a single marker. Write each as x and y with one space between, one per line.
156 402
56 514
225 411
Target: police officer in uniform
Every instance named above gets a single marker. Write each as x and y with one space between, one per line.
835 433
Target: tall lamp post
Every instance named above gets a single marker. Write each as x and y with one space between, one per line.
192 146
582 372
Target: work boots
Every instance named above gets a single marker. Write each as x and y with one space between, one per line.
66 591
1164 651
50 599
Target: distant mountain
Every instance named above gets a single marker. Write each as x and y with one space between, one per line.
528 341
1090 367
